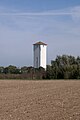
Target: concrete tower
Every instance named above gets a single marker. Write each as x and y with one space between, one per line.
39 50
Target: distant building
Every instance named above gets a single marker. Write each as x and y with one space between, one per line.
40 50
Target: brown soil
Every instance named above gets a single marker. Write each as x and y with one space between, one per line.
39 100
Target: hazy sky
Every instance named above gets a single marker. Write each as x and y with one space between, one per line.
24 22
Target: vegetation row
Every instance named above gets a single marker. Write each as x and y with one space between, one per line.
63 67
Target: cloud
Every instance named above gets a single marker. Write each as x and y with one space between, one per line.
73 12
19 30
36 14
76 13
18 16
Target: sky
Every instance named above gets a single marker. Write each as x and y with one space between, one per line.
25 22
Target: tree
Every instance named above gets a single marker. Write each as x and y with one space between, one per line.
65 67
11 70
1 69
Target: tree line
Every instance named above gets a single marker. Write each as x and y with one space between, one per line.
63 67
13 72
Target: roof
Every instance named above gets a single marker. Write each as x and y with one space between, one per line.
40 43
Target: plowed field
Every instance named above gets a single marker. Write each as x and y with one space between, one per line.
39 100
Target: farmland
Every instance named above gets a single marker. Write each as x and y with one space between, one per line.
39 100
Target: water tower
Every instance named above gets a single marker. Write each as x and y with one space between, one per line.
40 50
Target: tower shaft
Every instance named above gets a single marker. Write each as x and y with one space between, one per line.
40 55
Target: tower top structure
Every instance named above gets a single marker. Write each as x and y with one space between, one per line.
40 43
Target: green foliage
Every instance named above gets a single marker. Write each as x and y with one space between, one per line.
11 70
64 67
1 69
